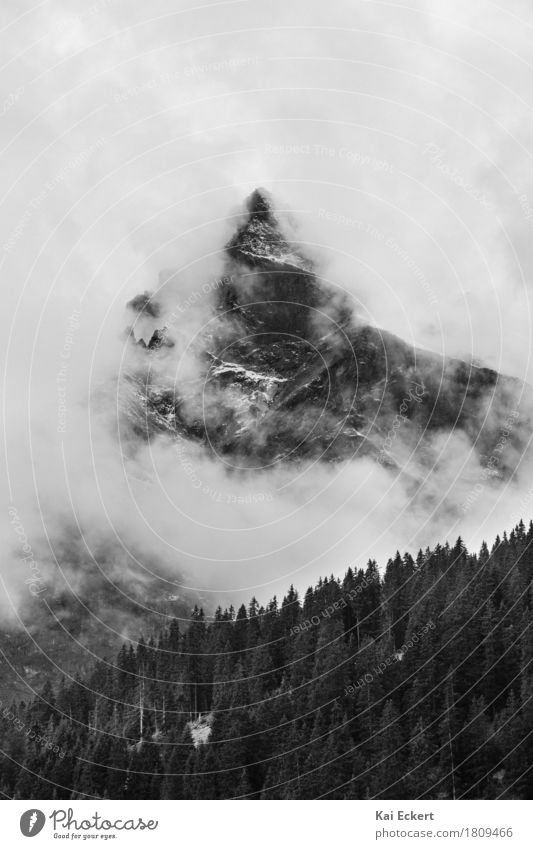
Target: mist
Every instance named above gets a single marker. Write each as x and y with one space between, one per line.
396 143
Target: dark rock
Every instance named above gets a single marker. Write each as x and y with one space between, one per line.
289 373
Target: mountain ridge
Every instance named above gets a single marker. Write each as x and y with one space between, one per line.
338 384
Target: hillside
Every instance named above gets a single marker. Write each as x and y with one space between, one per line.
412 685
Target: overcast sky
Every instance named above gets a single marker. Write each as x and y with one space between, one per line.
398 136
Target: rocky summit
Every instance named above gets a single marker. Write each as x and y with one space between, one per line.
287 373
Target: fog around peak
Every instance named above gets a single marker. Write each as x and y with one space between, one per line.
395 146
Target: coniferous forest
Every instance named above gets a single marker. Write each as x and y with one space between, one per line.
410 683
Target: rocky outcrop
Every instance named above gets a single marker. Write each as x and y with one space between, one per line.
289 373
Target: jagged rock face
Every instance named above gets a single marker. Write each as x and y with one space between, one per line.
270 284
288 373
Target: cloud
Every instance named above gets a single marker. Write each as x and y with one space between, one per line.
398 143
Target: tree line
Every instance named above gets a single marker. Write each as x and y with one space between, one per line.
413 683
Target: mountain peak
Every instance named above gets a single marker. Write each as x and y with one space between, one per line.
259 204
260 241
290 373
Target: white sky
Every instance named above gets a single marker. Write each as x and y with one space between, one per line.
129 132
